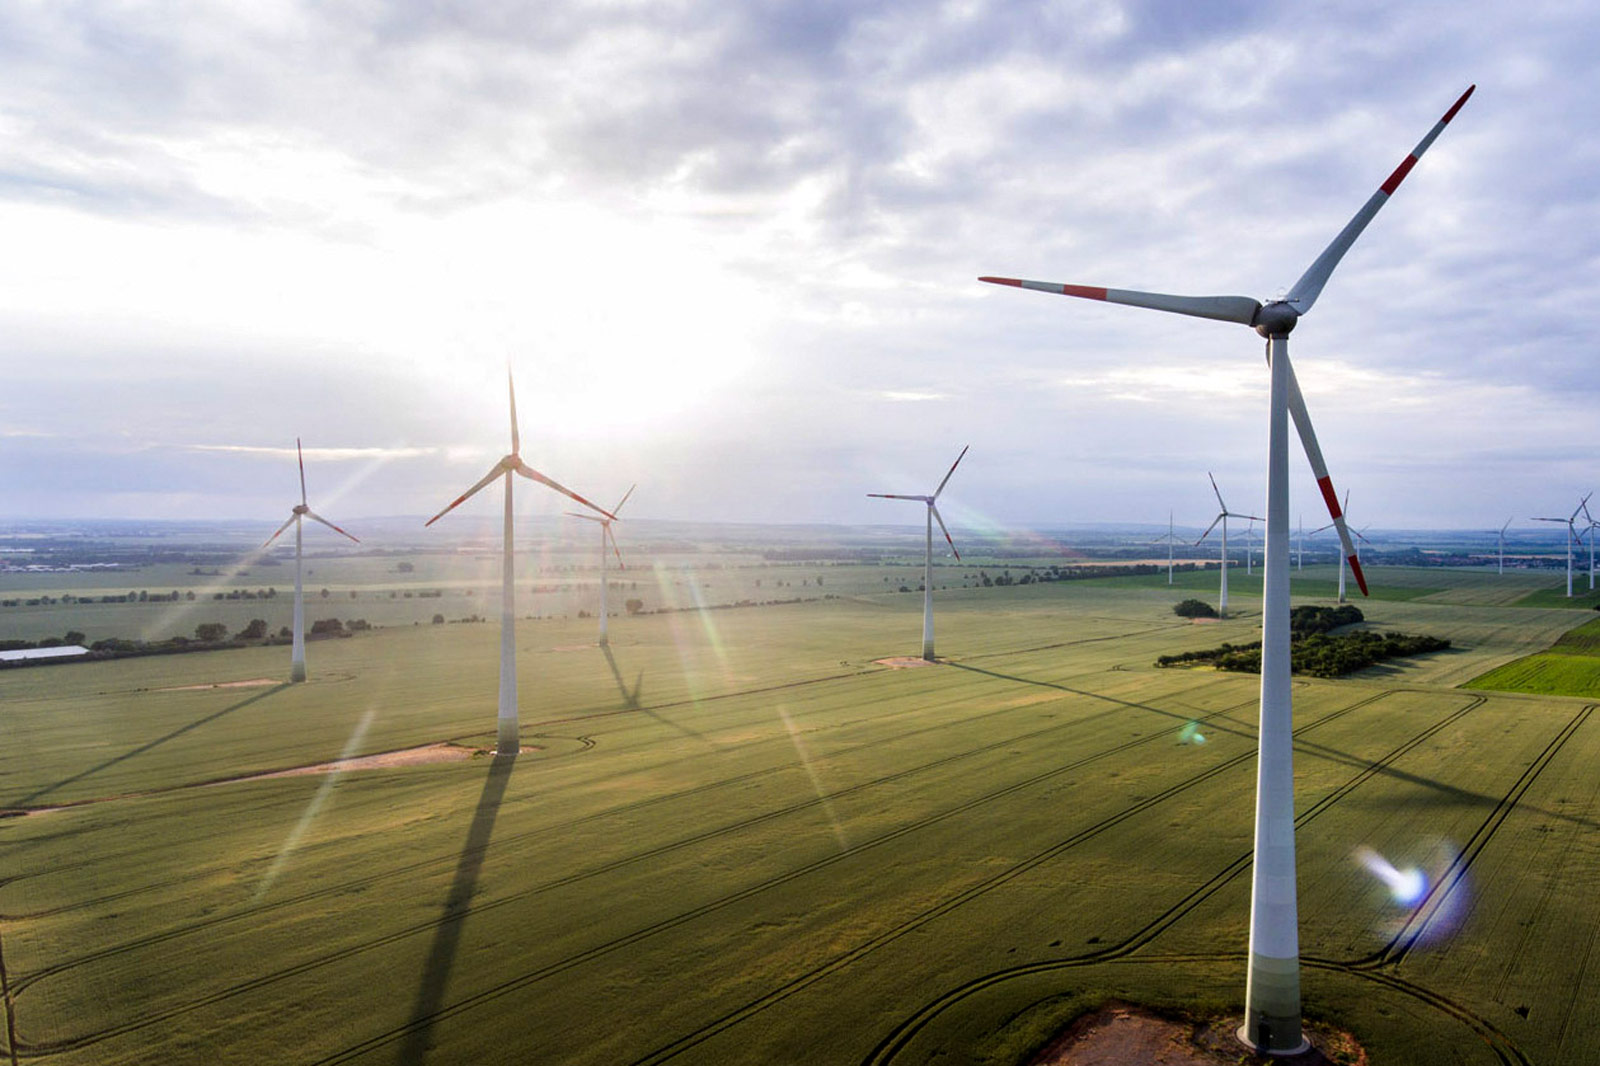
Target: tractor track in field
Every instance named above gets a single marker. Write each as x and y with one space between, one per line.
896 1041
1377 968
1399 946
609 812
47 1047
533 976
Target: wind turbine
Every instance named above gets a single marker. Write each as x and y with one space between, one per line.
927 562
1501 565
1272 999
1171 538
1572 534
606 534
1222 516
1355 560
1593 525
297 652
1300 545
507 741
1249 548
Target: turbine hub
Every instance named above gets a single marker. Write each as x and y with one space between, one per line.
1276 319
301 508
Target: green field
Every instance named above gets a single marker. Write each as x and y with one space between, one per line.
739 839
1571 667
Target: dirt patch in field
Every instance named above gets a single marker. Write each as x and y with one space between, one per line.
904 662
443 751
1123 1035
258 682
574 647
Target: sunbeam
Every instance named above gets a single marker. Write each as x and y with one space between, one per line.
313 808
816 785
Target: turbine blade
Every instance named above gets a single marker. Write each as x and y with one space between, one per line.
1309 287
1218 492
952 470
1319 468
1582 505
946 532
302 457
533 475
1209 528
1241 309
613 538
1252 518
330 525
281 528
585 517
511 390
897 496
499 468
624 499
1508 523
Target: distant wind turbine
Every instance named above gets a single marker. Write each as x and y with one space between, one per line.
508 741
1355 560
1249 548
297 652
1272 997
1572 534
606 534
1501 551
1171 538
1222 516
927 562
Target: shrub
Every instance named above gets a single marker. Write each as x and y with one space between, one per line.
1194 609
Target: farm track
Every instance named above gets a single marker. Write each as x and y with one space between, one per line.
896 1041
1400 945
164 936
1010 873
1503 1047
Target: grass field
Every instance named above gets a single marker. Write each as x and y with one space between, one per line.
1571 667
739 839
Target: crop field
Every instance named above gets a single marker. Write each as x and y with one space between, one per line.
737 837
1571 667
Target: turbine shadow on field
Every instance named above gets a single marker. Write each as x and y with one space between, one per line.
631 700
1302 745
150 745
457 904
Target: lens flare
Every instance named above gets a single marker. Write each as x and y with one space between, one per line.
816 785
1190 734
313 808
1406 886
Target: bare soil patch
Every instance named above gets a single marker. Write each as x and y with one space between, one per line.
904 662
443 751
258 682
1119 1034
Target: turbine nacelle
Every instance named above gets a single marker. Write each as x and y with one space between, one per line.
1276 319
300 509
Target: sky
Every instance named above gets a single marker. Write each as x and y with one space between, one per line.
730 253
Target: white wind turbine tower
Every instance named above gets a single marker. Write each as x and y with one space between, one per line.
605 535
1249 548
1171 538
1222 516
1572 534
507 741
927 562
1272 999
297 652
1501 551
1355 560
1593 525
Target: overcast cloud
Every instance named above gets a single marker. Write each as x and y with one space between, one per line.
731 249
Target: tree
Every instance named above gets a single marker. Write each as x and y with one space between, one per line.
256 630
73 637
327 627
1194 609
438 619
634 606
210 632
403 568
